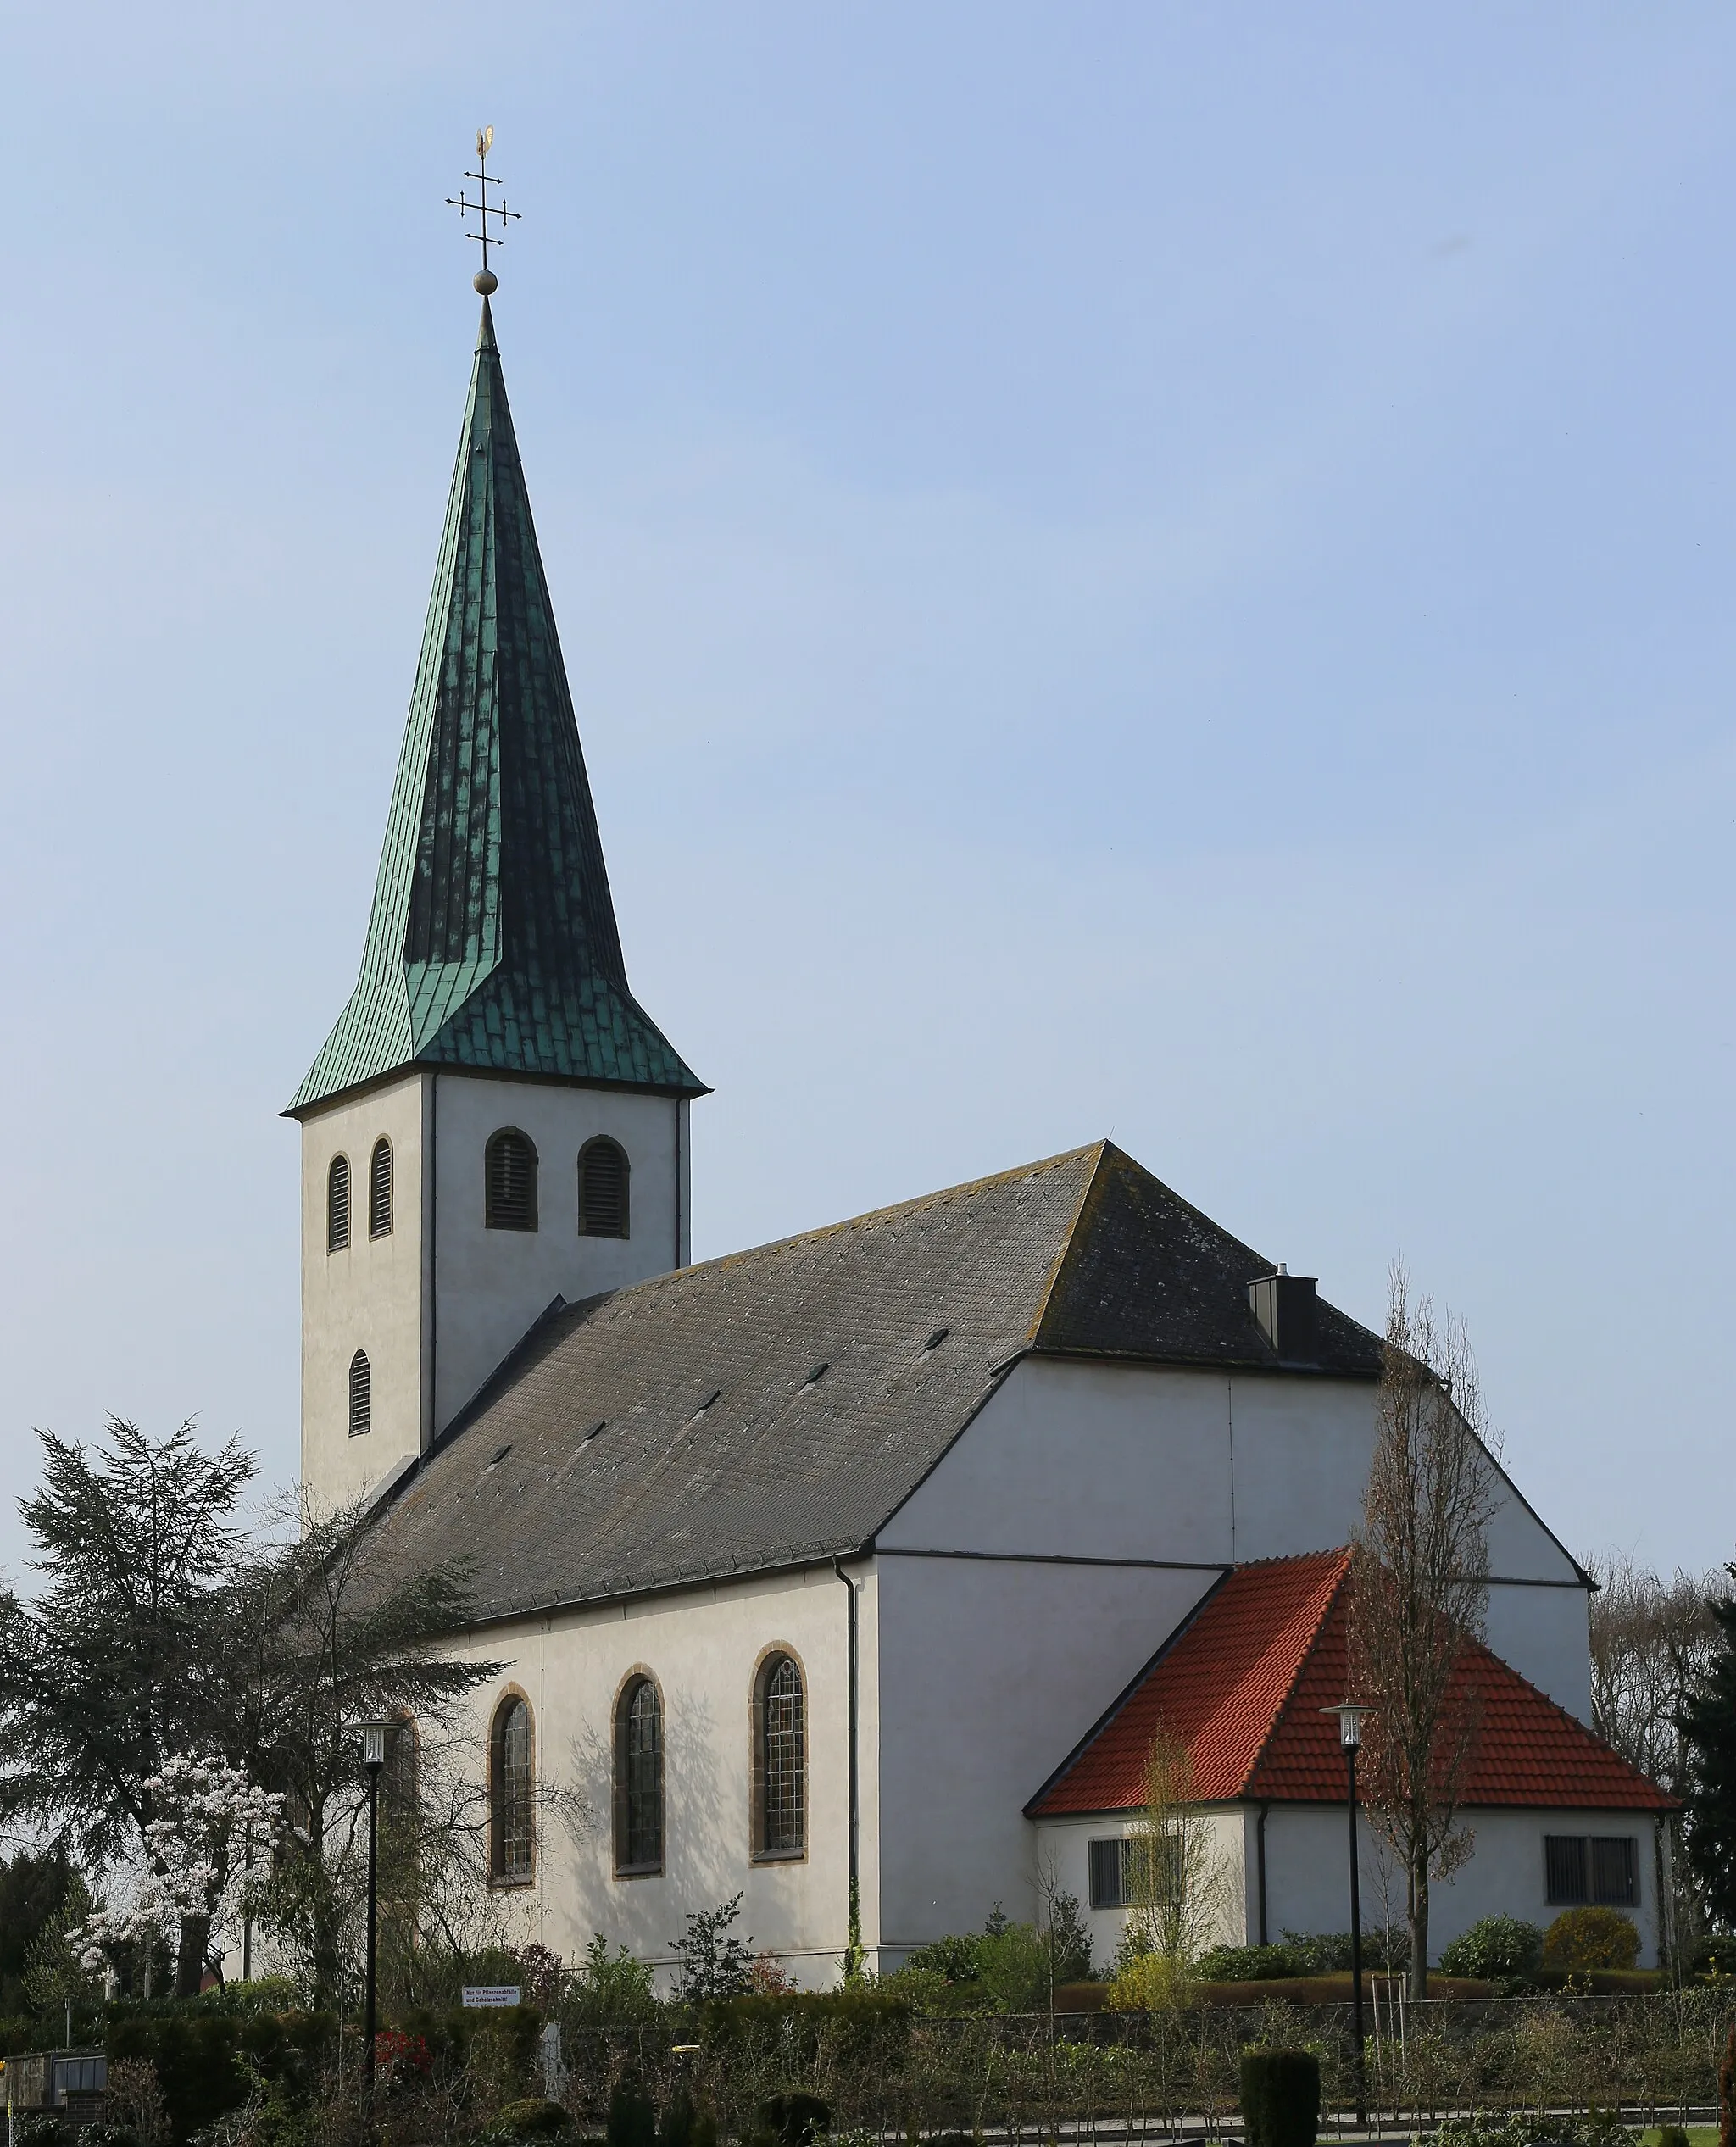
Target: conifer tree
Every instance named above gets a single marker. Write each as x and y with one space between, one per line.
1708 1722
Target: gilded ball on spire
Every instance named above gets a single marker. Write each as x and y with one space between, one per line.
487 282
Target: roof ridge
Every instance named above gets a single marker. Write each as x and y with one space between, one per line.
870 1216
1059 1263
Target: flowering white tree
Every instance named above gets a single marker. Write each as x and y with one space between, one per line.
202 1862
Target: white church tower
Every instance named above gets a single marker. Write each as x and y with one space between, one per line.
494 1122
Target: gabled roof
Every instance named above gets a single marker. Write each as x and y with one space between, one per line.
1243 1682
716 1456
492 944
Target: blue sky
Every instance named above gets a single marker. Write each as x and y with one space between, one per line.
1142 570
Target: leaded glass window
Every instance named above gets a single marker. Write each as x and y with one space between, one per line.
639 1778
513 1791
784 1733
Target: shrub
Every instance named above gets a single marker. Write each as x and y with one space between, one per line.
1069 1941
1496 1946
195 2053
683 2125
1327 1952
1673 2136
793 2120
1591 1937
858 2018
1149 1983
633 2122
714 1962
954 1958
608 1989
1012 1965
1247 1964
1281 2097
532 2118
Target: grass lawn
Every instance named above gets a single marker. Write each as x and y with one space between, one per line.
1698 2136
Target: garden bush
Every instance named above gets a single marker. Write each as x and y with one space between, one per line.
1591 1937
1150 1982
1248 1964
633 2122
196 2053
792 2121
1281 2097
1497 1946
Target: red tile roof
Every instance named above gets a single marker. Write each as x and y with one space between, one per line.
1242 1684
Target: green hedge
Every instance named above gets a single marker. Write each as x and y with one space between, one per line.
1281 2097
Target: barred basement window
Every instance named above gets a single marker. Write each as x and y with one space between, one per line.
509 1175
379 1191
638 1779
337 1204
511 1782
603 1189
361 1395
1604 1868
779 1759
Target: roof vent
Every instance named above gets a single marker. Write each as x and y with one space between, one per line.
935 1340
1284 1305
500 1455
707 1401
814 1376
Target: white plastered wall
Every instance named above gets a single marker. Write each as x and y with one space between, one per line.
703 1647
438 1302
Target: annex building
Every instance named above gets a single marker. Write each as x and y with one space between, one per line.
850 1573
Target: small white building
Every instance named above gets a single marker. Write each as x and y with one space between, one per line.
807 1567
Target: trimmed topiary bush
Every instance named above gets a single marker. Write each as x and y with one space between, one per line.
1281 2097
1247 1964
1496 1946
633 2122
1591 1937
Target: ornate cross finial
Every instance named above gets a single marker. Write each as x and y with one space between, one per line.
485 281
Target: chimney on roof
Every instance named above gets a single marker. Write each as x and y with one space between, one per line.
1284 1304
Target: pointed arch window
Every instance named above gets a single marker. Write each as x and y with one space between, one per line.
509 1175
511 1770
361 1395
337 1204
638 1778
380 1190
779 1758
603 1189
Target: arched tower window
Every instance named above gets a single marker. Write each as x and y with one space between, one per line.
337 1204
779 1759
638 1778
380 1190
509 1173
511 1762
603 1189
361 1395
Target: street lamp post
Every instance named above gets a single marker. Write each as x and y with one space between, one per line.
1351 1737
373 1759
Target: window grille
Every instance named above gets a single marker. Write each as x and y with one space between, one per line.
1615 1871
337 1204
603 1190
783 1758
379 1191
639 1779
361 1395
1603 1868
512 1791
510 1179
1124 1874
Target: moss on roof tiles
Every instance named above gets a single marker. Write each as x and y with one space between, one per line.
492 944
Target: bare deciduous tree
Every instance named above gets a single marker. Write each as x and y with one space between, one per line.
1419 1589
1178 1876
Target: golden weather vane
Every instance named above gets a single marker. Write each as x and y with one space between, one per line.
485 281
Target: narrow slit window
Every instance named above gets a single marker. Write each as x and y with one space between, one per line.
509 1173
603 1189
337 1204
361 1395
379 1191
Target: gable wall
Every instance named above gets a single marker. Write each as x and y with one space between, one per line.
1114 1461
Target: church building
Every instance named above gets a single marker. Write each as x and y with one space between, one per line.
850 1574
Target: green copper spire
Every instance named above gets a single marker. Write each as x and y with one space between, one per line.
493 943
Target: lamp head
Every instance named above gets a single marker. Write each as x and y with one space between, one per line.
374 1745
1350 1715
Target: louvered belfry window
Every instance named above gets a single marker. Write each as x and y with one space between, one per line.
603 1189
337 1204
513 1788
783 1760
361 1395
510 1176
379 1191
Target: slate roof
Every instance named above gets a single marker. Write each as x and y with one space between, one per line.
493 943
670 1432
1243 1682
